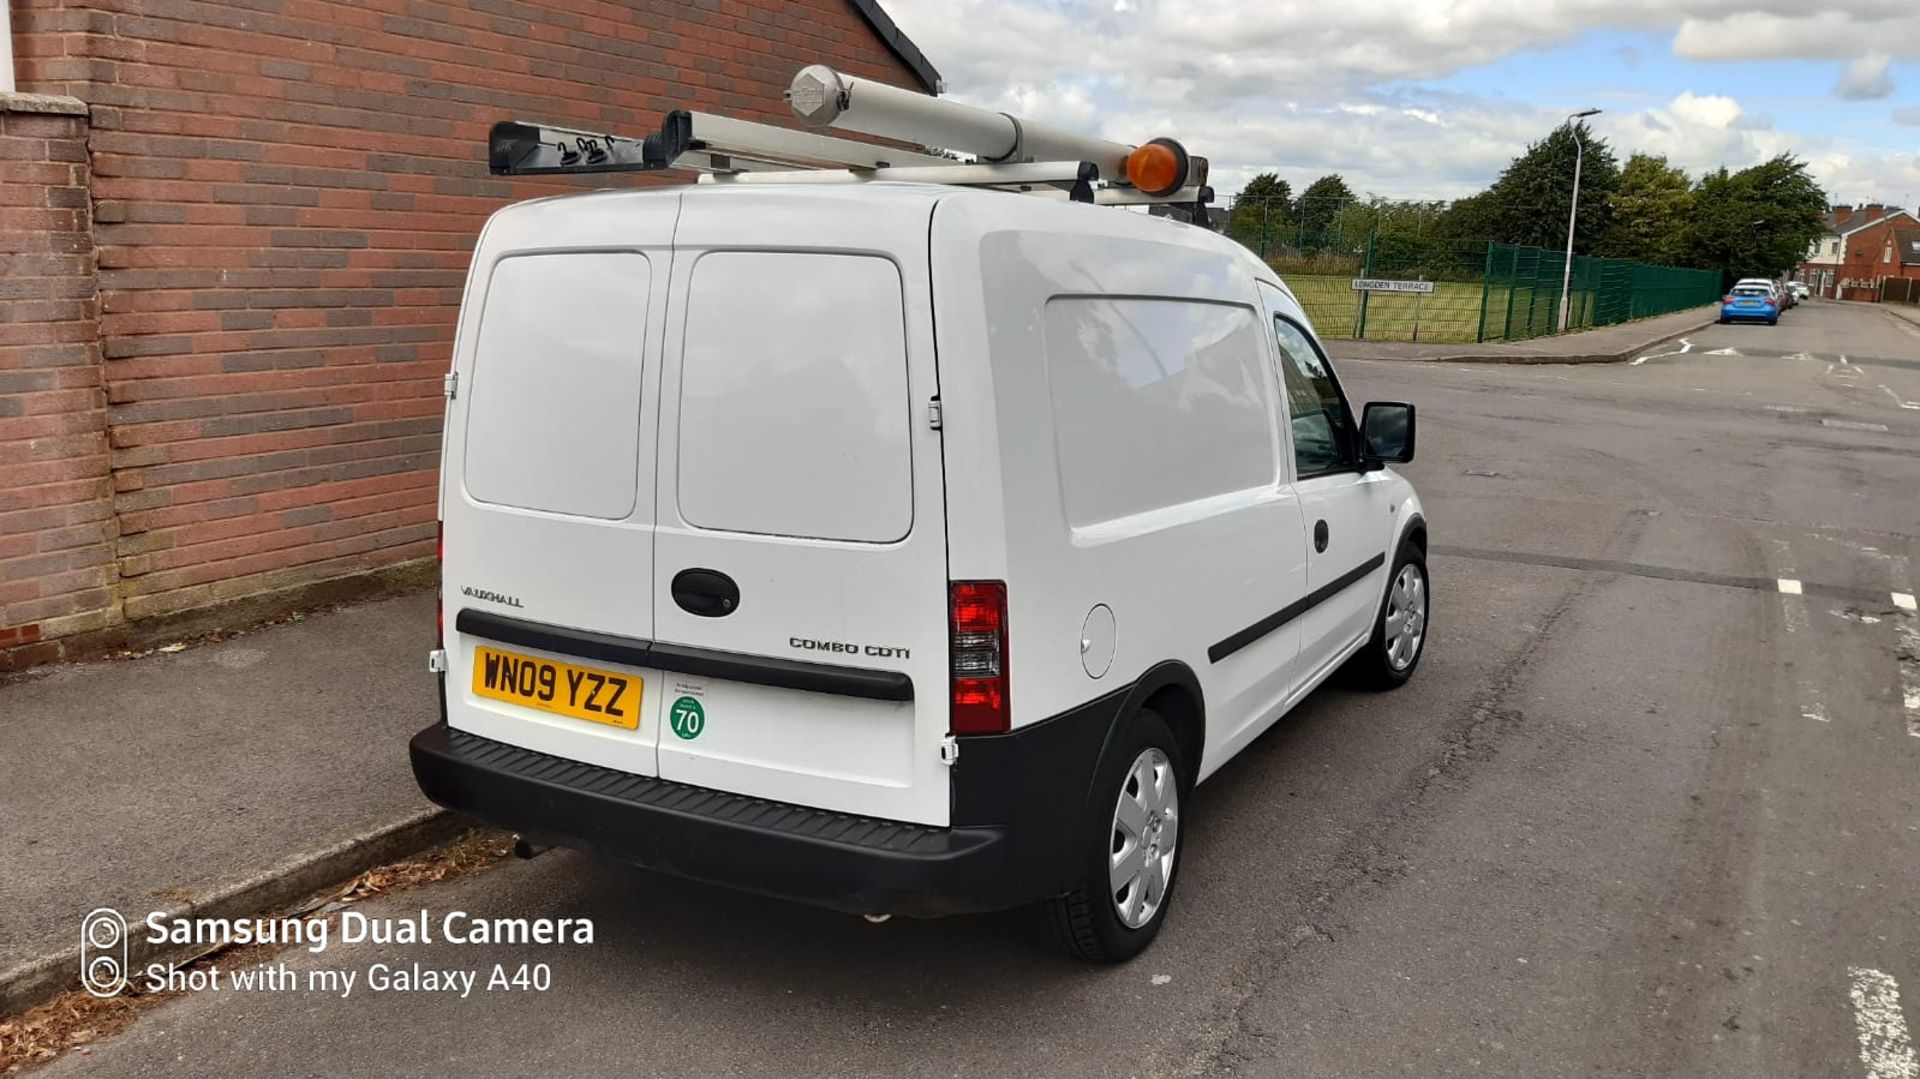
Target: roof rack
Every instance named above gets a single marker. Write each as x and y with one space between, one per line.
1010 154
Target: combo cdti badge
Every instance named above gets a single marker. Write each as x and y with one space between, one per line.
907 538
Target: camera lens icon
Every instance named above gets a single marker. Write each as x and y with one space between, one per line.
103 952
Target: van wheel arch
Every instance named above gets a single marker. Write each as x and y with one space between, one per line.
1417 534
1180 707
1170 689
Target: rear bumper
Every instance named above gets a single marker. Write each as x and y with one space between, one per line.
1021 798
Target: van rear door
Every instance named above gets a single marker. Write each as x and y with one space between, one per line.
800 582
548 489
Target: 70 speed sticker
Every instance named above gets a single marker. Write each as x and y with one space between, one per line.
687 718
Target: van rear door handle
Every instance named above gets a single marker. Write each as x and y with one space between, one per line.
1319 537
705 592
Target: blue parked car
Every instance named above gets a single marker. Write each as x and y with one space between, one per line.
1751 302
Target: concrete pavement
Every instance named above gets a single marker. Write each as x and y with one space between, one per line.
1608 344
1905 312
227 778
1645 811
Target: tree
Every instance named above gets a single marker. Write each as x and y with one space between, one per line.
1470 218
1317 206
1651 212
1528 204
1350 224
1261 212
1756 222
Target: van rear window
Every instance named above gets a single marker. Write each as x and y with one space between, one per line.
1156 403
553 420
794 413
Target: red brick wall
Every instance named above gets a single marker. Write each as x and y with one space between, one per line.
56 500
286 193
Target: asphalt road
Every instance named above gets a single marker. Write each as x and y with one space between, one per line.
1646 810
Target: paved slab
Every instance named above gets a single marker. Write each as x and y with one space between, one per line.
145 784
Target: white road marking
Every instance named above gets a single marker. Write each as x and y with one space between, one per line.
1796 616
1897 399
1686 346
1796 610
1909 661
1904 600
1787 408
1884 1046
1722 352
1854 425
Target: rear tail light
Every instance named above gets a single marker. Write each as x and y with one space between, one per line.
1728 298
978 622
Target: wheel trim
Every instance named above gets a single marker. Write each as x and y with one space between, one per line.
1145 834
1406 621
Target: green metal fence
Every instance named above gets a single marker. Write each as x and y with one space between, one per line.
1522 291
1480 291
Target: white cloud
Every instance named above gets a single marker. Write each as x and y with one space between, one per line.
1907 114
1708 110
1701 133
1865 79
1827 32
1305 88
1234 49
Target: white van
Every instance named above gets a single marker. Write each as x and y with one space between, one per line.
898 548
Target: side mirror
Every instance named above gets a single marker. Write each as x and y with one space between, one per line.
1386 432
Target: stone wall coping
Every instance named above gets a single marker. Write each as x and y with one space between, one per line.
42 103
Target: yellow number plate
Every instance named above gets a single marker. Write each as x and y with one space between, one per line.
560 688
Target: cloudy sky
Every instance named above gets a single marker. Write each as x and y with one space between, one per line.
1430 98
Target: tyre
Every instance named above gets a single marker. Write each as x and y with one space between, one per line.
1131 848
1774 321
1400 629
1723 320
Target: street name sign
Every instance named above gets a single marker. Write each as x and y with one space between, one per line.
1381 284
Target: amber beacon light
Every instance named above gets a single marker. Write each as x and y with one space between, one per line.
1158 168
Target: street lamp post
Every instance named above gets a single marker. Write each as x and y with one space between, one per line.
1573 210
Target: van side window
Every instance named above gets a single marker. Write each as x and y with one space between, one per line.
1322 425
1156 403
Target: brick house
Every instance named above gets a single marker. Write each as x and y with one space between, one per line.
1902 283
1854 251
233 235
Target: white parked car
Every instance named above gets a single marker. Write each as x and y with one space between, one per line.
1782 298
897 548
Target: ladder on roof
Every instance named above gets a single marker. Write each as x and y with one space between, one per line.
1010 154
